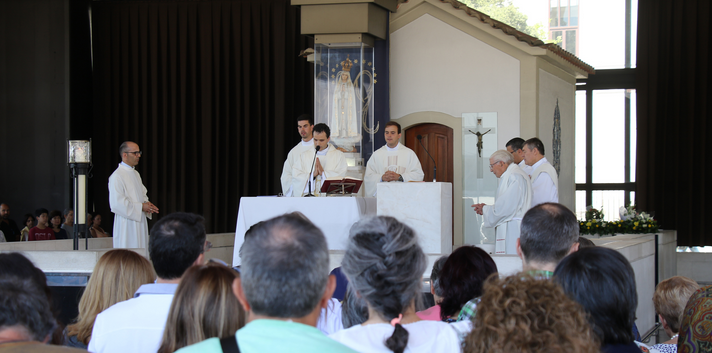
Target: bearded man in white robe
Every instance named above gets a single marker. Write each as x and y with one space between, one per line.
392 162
329 162
512 200
128 200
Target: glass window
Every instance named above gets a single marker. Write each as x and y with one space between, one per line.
571 41
610 201
564 12
573 8
556 37
580 204
580 157
608 135
554 13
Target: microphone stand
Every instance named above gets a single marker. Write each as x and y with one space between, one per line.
309 178
435 170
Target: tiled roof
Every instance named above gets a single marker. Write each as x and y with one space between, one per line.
532 41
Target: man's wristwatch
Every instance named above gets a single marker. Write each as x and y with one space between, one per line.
400 178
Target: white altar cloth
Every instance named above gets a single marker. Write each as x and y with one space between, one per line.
333 215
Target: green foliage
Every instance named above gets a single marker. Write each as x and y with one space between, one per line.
505 11
633 222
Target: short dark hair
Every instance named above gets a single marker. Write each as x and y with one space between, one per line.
124 148
55 213
306 117
67 210
516 143
175 242
40 211
321 127
533 143
393 123
28 215
603 282
547 233
22 304
463 276
585 243
285 266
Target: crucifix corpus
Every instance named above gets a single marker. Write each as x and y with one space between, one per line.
478 132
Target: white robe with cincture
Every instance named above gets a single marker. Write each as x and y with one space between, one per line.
378 165
512 200
331 159
126 197
292 157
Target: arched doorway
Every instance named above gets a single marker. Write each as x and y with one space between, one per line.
438 140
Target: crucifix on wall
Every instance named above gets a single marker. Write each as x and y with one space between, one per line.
479 133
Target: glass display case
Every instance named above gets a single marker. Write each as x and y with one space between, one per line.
344 77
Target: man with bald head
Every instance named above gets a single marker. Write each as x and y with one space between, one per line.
128 199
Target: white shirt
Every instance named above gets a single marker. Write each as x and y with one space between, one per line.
423 336
545 186
135 325
523 166
330 318
292 156
331 159
378 164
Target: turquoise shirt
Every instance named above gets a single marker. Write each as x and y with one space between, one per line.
266 335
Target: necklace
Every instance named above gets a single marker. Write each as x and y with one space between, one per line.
675 336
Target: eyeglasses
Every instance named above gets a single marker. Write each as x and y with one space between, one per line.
136 153
494 164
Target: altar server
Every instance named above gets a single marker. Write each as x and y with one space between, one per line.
305 125
512 200
128 199
392 162
545 181
329 163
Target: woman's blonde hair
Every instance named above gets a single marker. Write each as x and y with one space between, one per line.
116 277
522 313
203 307
670 298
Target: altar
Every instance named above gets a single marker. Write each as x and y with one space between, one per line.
333 215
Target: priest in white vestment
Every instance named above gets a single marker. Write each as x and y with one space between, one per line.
512 200
305 124
329 163
545 180
392 162
128 200
515 147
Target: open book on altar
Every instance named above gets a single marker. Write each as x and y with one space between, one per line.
341 185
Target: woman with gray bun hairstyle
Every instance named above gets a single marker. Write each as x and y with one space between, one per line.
385 265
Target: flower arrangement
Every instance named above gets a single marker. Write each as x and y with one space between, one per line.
631 222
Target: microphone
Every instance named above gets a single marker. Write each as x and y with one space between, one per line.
435 169
317 148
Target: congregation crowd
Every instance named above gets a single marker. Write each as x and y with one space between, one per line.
569 297
46 225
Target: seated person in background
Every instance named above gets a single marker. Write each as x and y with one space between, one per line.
7 225
695 335
354 310
68 224
41 231
603 282
136 325
55 218
283 285
461 279
385 265
433 313
95 228
521 313
116 277
669 299
549 233
203 307
29 223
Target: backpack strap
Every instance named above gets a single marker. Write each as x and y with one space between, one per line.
229 344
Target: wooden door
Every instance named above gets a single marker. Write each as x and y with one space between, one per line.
438 140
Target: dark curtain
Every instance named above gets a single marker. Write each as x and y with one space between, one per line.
208 89
673 87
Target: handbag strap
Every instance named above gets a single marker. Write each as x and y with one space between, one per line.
229 344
